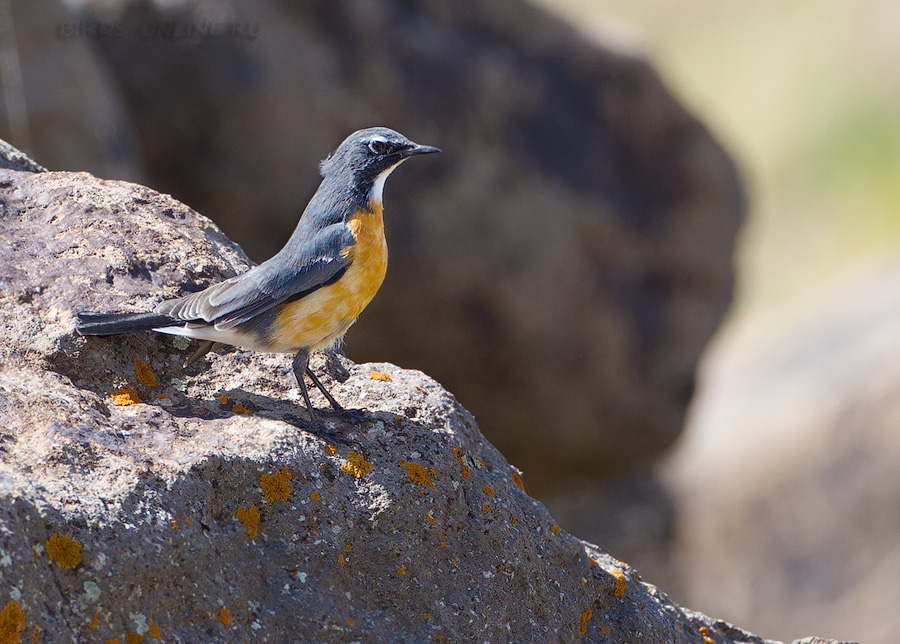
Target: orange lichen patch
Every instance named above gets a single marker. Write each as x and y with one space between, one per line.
174 525
341 560
585 616
144 373
275 486
465 468
426 615
315 496
554 528
133 638
250 518
329 449
223 615
401 570
621 582
416 474
485 508
349 621
125 397
604 629
487 490
153 630
429 518
162 396
593 562
238 408
12 623
356 465
94 623
704 633
64 550
114 640
35 634
223 399
379 375
518 480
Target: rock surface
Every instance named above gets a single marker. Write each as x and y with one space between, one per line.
144 502
571 250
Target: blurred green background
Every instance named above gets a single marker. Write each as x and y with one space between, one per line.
806 96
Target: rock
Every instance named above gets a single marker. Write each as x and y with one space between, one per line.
61 103
569 255
787 484
143 501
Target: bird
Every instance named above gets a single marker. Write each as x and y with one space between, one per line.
306 296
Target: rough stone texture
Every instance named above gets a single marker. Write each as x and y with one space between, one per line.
66 109
788 485
569 253
182 518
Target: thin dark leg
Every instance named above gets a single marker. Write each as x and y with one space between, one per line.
318 384
203 349
301 364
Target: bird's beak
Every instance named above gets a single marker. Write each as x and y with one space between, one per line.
419 149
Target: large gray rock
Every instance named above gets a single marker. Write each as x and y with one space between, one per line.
144 502
571 252
788 484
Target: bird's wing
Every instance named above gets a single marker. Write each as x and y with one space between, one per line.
238 299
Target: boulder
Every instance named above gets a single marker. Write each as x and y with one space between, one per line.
787 486
144 501
571 252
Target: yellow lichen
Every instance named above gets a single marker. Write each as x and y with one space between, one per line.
379 375
350 621
416 474
35 634
275 486
114 640
162 396
356 465
315 496
585 616
125 397
223 399
341 560
153 630
487 490
465 468
605 629
518 480
133 638
94 623
704 634
238 408
429 518
250 518
621 582
223 615
144 373
555 528
12 623
329 449
64 550
426 615
401 570
485 508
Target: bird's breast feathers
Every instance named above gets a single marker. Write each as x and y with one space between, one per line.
323 316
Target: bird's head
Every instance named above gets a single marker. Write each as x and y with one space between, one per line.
367 157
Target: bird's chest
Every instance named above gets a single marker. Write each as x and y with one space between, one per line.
323 316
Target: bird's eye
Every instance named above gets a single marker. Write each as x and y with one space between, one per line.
378 146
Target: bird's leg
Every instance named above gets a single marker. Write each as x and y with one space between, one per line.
301 366
321 387
205 347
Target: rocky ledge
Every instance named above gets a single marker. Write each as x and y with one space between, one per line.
141 500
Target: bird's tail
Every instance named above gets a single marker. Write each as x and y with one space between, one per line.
113 323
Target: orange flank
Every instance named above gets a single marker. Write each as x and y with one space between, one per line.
324 315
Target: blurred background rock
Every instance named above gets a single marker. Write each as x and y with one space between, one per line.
564 264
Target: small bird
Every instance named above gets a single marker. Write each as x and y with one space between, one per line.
305 297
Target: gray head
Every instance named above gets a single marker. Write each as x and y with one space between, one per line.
366 158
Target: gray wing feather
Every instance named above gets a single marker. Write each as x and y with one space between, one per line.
291 272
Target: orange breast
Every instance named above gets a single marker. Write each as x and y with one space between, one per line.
322 317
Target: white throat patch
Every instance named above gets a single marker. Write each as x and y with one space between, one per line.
377 193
